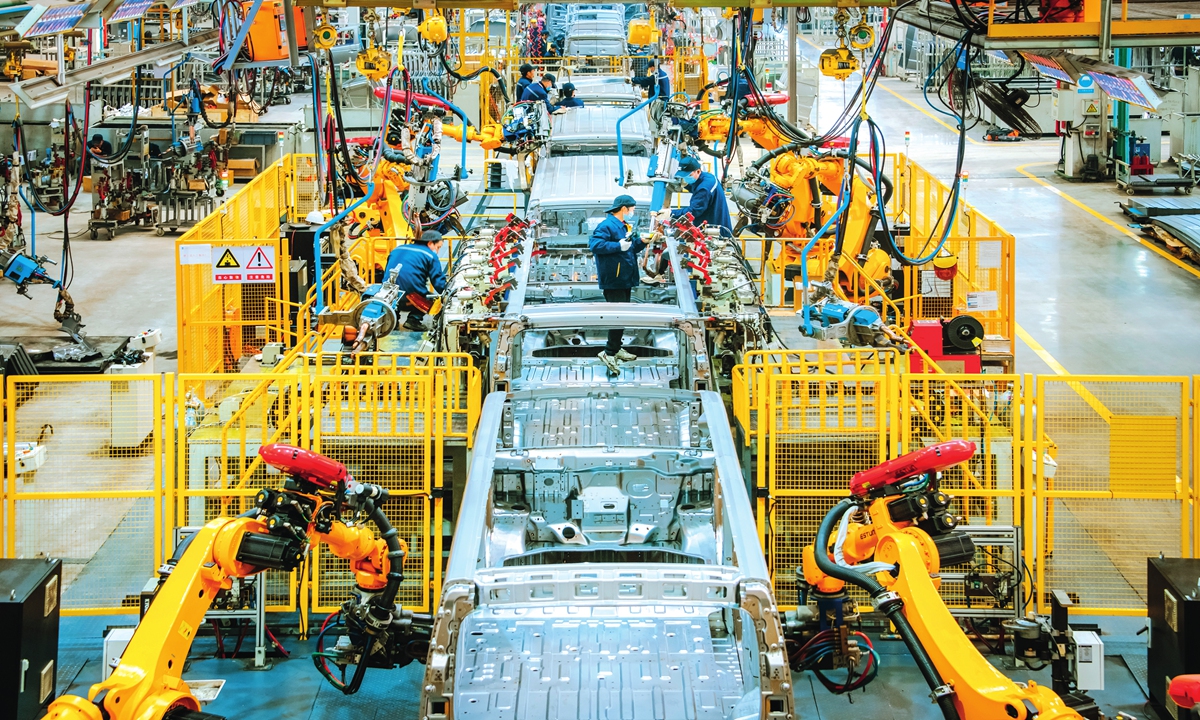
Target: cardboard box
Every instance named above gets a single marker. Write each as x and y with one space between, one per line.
87 183
242 168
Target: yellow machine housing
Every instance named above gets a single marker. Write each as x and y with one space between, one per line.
838 63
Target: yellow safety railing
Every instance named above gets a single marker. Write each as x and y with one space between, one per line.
85 460
982 284
1114 486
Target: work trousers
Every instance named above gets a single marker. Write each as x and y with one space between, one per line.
622 295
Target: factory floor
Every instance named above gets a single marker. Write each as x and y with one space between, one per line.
1090 298
292 689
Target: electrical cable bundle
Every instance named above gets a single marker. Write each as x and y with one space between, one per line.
822 646
878 151
120 155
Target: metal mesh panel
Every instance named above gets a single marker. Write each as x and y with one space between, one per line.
793 526
983 409
223 421
333 579
220 325
94 502
456 383
823 429
1096 522
382 428
984 283
303 193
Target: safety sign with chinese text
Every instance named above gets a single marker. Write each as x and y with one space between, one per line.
243 264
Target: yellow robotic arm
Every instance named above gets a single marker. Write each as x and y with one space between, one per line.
900 523
148 683
489 138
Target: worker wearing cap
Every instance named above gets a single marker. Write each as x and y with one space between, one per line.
708 204
567 97
417 266
616 248
540 91
526 78
655 73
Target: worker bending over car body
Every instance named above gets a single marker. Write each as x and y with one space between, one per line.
417 266
708 204
540 91
616 247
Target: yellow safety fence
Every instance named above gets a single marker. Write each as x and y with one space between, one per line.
1098 472
108 466
982 283
222 325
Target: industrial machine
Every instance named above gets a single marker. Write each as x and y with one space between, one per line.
893 534
319 502
30 593
1174 610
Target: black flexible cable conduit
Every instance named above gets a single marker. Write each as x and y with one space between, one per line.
890 605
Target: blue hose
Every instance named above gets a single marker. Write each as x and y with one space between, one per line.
32 223
462 167
620 147
320 304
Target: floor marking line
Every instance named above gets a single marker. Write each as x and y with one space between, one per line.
1144 242
1040 351
1094 402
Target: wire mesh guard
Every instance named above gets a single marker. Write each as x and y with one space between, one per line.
381 428
1117 494
94 502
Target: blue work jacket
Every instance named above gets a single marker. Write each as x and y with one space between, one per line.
522 83
419 267
535 91
616 269
570 102
708 204
664 84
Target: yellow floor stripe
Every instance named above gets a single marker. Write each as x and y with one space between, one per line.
1078 203
1041 352
1092 401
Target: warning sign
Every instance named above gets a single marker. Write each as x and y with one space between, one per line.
1092 108
243 264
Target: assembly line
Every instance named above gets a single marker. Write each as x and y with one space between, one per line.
600 360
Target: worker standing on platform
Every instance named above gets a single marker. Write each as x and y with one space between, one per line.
417 266
526 78
708 203
616 246
568 99
540 91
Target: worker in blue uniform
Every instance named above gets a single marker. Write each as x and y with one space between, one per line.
655 73
540 91
526 78
708 204
567 97
417 266
616 246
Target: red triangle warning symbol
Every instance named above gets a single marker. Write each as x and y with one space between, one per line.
259 261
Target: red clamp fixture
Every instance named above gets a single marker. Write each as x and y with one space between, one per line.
934 458
304 464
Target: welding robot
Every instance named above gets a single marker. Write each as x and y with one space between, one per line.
893 535
320 502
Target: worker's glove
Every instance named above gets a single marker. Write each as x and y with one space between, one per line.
663 216
625 245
